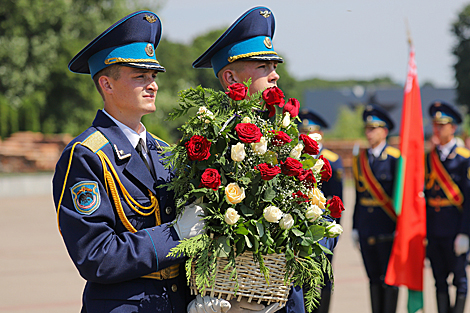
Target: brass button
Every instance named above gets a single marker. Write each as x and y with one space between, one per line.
370 210
437 209
168 210
371 241
383 176
174 288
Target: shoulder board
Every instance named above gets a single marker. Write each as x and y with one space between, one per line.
394 152
95 141
160 141
330 155
463 152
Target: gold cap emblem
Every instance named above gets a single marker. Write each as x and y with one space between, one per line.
149 50
268 43
265 13
151 18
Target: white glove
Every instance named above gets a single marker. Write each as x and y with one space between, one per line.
355 239
189 224
461 244
208 304
251 307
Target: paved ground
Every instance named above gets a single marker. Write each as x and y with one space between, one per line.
36 274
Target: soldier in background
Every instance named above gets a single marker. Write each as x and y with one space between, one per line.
312 124
448 207
374 218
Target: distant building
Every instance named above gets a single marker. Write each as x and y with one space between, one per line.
328 101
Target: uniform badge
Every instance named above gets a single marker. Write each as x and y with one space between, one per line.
149 50
150 18
265 13
86 197
268 43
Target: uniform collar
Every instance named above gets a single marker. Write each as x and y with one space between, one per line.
446 149
131 135
377 151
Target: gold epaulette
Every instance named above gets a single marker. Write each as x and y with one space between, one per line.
463 152
95 141
330 155
394 152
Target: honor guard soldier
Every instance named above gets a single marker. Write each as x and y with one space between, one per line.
245 51
448 207
312 124
374 218
113 217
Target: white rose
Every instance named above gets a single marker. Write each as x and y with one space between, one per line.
318 166
297 151
260 147
272 214
286 120
315 136
234 193
313 212
246 119
317 198
286 222
204 112
238 152
231 216
334 230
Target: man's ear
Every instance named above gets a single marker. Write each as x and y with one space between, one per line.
229 77
106 84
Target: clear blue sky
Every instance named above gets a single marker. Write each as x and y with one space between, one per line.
338 39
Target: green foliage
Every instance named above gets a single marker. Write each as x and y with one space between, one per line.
461 30
349 124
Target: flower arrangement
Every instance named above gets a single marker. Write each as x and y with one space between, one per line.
260 183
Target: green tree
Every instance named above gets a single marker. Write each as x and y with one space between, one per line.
461 30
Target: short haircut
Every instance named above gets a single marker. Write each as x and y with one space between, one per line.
236 66
113 71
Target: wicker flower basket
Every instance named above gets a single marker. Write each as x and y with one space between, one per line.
252 283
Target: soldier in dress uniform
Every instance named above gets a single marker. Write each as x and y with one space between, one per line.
245 51
374 218
113 217
311 124
448 207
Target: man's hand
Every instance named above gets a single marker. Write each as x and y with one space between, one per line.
208 304
355 239
190 224
251 307
461 244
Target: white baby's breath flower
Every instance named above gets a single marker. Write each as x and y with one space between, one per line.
297 151
318 166
333 230
315 136
286 222
286 120
272 214
203 112
246 119
260 147
238 152
313 212
231 216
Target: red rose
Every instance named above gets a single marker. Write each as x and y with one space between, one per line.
307 177
292 106
325 171
248 133
310 145
198 148
273 96
267 171
237 91
280 138
335 205
300 197
210 179
291 167
271 110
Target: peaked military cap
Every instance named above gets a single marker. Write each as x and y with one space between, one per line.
311 121
375 116
443 113
130 41
248 38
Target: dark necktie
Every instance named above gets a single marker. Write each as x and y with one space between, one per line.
139 150
371 159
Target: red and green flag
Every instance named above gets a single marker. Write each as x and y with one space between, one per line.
406 264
